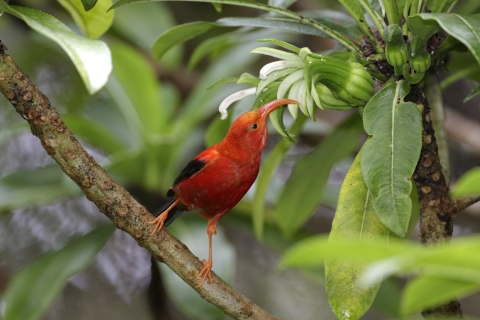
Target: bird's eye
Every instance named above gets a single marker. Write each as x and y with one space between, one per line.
254 126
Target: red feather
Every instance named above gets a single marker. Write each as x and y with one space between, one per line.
218 178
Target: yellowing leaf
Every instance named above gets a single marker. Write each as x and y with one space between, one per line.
354 220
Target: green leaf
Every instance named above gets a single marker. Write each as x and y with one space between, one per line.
468 7
422 28
472 94
448 260
35 187
354 220
426 292
282 24
467 184
282 44
140 84
276 117
93 23
224 80
217 6
347 42
246 3
457 254
33 290
463 65
178 35
313 251
247 78
93 133
465 29
90 57
281 3
265 176
439 5
89 4
278 54
214 46
151 19
303 190
390 156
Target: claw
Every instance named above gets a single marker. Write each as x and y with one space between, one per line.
158 222
205 272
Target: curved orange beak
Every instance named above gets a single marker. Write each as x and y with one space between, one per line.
267 108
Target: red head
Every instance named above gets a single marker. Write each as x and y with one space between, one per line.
248 134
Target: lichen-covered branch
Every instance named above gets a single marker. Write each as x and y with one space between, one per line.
465 201
437 211
110 198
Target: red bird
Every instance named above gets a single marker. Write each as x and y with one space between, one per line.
218 178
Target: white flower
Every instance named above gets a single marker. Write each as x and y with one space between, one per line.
279 65
239 95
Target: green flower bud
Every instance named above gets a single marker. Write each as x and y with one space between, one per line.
412 75
347 81
419 59
396 50
328 101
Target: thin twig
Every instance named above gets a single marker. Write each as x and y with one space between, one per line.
464 202
110 198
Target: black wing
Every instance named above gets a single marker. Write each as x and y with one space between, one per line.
172 214
190 169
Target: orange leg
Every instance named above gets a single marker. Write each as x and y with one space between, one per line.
158 221
207 265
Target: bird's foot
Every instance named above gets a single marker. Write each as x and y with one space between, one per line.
205 272
158 222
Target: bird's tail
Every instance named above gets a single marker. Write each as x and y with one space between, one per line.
172 214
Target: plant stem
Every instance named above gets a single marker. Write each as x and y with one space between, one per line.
391 11
406 13
414 7
358 15
376 18
451 6
110 198
442 5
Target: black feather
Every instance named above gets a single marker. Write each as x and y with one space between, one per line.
190 169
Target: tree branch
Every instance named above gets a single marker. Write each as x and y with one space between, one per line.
437 211
110 198
464 202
